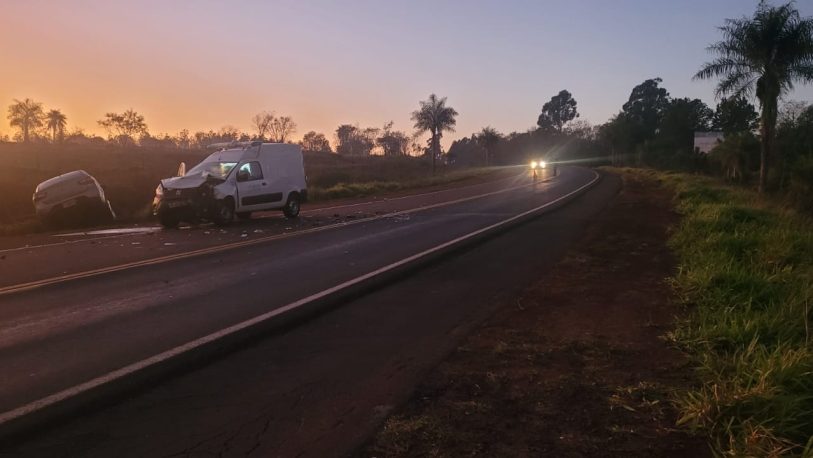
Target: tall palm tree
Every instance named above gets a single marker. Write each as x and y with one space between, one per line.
763 55
434 117
56 124
26 115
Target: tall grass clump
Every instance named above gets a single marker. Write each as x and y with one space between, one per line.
746 271
361 189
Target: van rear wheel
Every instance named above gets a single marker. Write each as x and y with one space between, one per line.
291 209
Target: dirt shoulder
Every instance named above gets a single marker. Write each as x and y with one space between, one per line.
574 367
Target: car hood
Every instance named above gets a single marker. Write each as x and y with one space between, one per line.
184 182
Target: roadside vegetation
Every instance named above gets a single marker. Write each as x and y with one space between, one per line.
367 188
746 272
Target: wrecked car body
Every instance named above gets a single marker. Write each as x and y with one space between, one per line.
73 198
234 181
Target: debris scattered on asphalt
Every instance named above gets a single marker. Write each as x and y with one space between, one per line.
169 243
119 231
244 235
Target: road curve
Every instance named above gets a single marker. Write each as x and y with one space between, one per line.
66 333
320 389
31 259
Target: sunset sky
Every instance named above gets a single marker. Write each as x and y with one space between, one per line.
200 65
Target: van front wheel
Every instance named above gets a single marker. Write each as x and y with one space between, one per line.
291 209
224 212
168 220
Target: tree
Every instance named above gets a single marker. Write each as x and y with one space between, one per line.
227 133
262 123
734 154
681 119
763 55
26 115
354 141
645 107
434 117
560 110
281 128
393 142
734 115
183 140
582 130
488 139
794 142
618 135
56 122
313 141
124 127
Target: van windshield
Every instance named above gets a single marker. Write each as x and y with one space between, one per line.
214 169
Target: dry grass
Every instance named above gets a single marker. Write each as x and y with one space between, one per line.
130 175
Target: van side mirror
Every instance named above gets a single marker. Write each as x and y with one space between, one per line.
243 175
182 169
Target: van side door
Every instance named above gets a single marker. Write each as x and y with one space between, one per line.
253 190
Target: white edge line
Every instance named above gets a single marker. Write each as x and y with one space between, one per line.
229 246
231 330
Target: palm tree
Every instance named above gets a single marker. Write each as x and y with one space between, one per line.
27 115
488 138
763 55
434 117
56 124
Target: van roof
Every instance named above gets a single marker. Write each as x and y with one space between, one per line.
253 152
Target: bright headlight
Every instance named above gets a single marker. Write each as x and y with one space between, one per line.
533 164
543 164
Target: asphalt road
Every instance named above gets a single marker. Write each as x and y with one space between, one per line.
35 257
316 390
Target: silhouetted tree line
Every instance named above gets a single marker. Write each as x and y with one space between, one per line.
557 137
129 128
759 58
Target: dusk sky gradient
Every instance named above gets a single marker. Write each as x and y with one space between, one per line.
201 65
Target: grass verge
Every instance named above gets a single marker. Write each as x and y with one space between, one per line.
362 189
746 271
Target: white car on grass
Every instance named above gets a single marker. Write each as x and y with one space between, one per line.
73 197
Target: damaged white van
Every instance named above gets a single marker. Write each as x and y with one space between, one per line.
237 180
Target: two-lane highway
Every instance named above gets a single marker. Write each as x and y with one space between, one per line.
58 336
25 259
